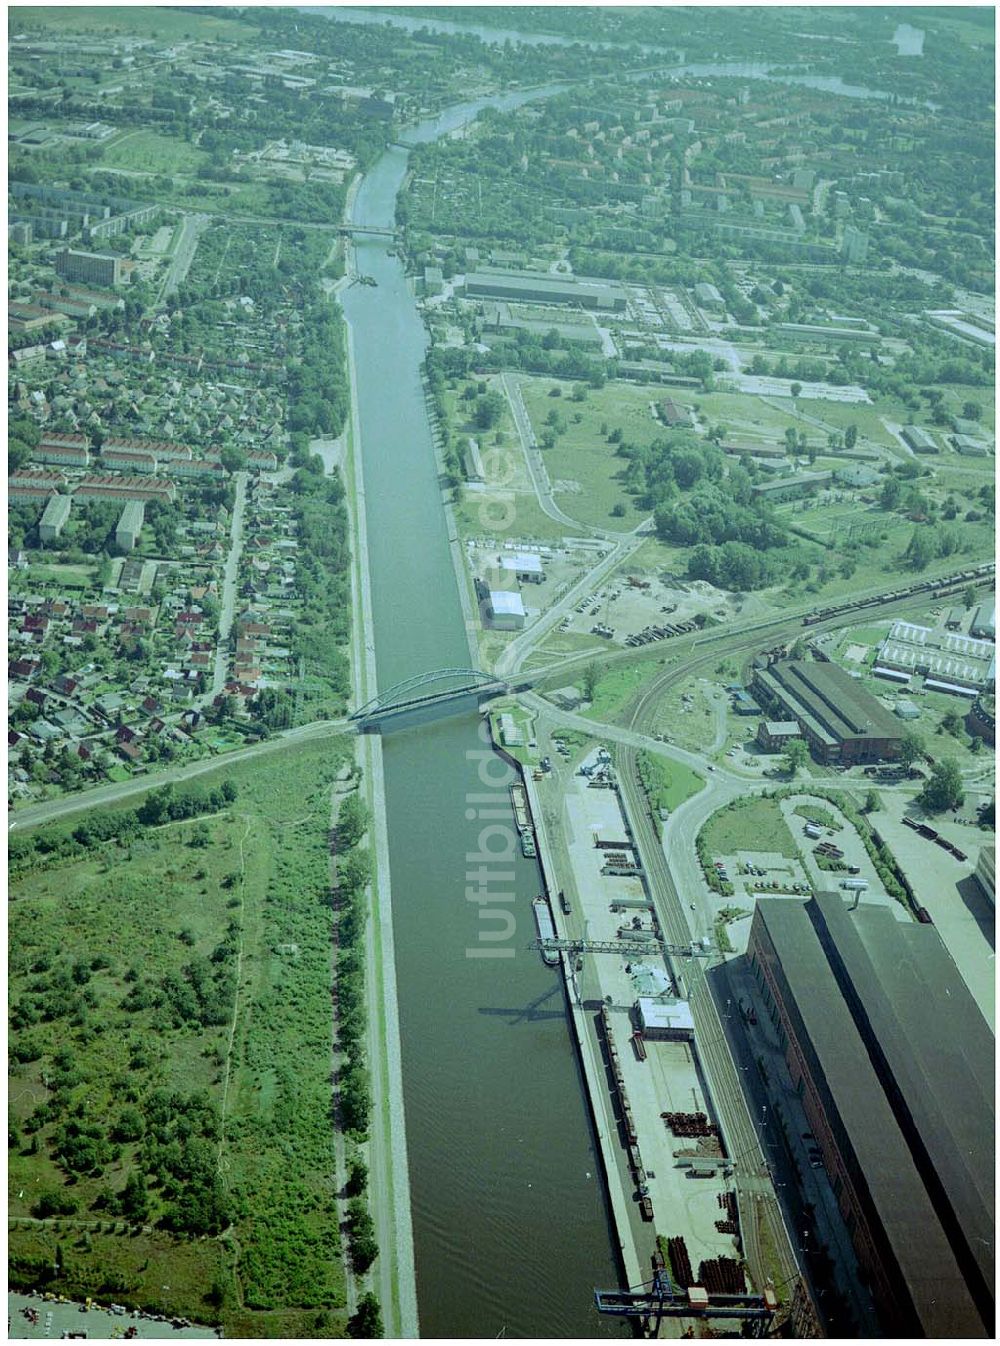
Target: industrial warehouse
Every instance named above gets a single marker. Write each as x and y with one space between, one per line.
948 660
839 720
546 289
894 1065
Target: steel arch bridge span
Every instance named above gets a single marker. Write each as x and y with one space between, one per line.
439 685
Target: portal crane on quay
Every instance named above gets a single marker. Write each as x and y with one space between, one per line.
660 1298
628 948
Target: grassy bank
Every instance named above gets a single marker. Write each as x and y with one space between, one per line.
170 1095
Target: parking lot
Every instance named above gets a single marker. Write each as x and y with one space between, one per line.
643 609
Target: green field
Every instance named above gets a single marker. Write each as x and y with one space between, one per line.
749 825
65 576
818 814
618 685
582 453
868 419
692 726
188 961
743 414
149 152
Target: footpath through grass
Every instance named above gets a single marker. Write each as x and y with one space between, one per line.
164 1155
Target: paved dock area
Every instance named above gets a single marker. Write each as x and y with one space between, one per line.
56 1321
669 1079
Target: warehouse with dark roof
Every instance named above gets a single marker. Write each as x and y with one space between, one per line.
531 286
894 1063
840 720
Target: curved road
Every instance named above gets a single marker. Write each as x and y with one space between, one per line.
538 473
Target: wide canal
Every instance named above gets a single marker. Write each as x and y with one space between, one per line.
511 1231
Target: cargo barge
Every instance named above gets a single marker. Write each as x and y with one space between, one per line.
546 928
522 817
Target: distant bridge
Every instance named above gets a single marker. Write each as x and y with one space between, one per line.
428 691
367 231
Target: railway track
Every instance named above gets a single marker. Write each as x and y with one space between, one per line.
759 1207
772 630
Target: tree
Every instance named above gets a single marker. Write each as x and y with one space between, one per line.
892 492
352 821
134 1200
969 597
921 549
489 409
618 511
233 459
357 1175
972 411
361 1226
355 870
911 749
872 803
796 755
366 1322
224 708
943 789
850 436
951 723
591 677
795 389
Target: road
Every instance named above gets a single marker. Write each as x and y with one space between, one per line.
521 647
721 642
104 795
191 227
689 660
758 1204
230 575
538 474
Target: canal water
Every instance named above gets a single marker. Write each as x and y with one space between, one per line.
511 1228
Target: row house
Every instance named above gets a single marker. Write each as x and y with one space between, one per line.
120 488
128 460
63 439
204 469
164 449
29 495
62 455
49 481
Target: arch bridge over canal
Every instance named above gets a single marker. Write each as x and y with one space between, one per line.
429 695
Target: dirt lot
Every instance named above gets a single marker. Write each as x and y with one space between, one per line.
627 610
